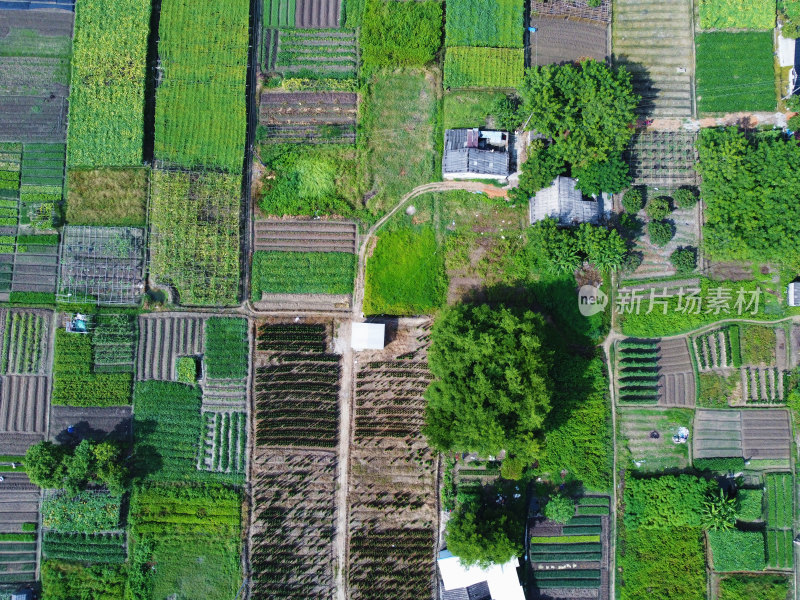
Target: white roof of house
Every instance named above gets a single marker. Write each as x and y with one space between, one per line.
563 201
794 294
502 579
786 51
368 336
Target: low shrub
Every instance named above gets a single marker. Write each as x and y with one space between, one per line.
658 208
750 504
559 509
684 198
758 345
667 501
186 368
684 260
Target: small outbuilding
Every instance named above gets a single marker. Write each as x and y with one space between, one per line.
475 153
498 582
564 202
793 295
368 336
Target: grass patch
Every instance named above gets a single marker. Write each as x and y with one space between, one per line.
750 504
649 454
735 72
397 133
67 580
468 108
302 273
737 14
405 274
716 390
763 587
758 345
112 197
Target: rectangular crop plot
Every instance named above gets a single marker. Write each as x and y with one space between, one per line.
576 9
224 442
735 72
732 14
102 264
96 422
648 453
201 103
467 67
296 394
558 40
302 273
306 236
23 403
292 542
490 23
95 548
25 341
194 235
309 117
279 13
316 53
676 383
108 83
766 433
164 338
717 434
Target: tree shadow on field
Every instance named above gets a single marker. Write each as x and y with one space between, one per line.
83 430
151 69
643 84
146 459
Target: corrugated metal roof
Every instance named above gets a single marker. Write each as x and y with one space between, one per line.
563 201
462 155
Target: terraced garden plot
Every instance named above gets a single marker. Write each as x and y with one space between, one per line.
162 339
19 503
762 385
648 453
314 53
296 387
224 443
663 158
25 341
766 434
578 9
676 382
309 117
718 349
392 488
306 236
317 13
558 41
82 547
96 423
656 263
637 371
102 264
653 39
717 434
292 532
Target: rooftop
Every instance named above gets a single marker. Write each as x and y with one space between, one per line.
472 151
563 201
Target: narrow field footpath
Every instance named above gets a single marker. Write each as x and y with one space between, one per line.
346 386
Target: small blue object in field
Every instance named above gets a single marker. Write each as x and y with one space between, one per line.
532 29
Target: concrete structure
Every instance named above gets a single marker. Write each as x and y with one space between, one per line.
498 582
472 153
368 336
564 202
793 295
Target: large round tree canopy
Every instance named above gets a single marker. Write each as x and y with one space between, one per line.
491 390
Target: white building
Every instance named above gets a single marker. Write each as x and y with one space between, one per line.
498 582
368 336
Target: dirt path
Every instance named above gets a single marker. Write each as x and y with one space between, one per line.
343 459
440 186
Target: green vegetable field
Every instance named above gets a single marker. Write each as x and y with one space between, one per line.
468 67
302 273
492 23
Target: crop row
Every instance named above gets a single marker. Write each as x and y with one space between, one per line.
23 338
96 548
779 500
779 548
226 348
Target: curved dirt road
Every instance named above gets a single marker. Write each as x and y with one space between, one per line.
439 186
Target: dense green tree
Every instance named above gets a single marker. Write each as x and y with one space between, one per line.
559 509
660 232
483 531
750 189
80 466
491 390
658 208
44 464
538 171
564 249
507 113
633 201
684 260
719 512
684 197
603 247
611 176
586 108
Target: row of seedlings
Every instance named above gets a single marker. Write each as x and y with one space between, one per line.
638 372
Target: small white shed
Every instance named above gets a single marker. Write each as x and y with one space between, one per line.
368 336
793 295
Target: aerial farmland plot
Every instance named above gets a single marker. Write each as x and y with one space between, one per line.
315 117
296 412
392 493
34 74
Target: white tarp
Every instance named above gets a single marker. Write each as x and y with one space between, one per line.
502 579
785 51
368 336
